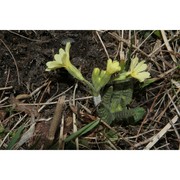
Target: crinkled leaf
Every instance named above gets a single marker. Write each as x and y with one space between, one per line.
138 114
135 114
105 114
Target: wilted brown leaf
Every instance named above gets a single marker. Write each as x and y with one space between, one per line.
22 107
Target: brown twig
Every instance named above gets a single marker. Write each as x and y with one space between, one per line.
167 45
56 119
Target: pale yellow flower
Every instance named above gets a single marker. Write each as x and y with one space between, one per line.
60 60
137 70
112 67
63 60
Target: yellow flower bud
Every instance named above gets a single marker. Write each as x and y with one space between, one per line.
112 67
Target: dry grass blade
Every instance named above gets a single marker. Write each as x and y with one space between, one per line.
3 100
162 75
167 45
177 84
176 108
143 42
48 102
149 111
168 104
39 88
5 88
159 135
143 142
74 118
102 44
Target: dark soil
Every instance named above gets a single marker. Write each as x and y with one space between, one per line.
31 56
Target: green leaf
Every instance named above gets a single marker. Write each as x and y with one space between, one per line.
148 82
107 97
135 114
125 114
114 101
124 96
15 138
158 33
105 114
138 114
83 130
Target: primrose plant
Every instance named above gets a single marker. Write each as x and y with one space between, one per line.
100 78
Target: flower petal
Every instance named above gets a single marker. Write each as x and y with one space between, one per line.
134 62
67 48
51 65
61 51
112 67
142 76
58 58
140 67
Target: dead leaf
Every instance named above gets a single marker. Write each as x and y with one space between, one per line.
21 107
